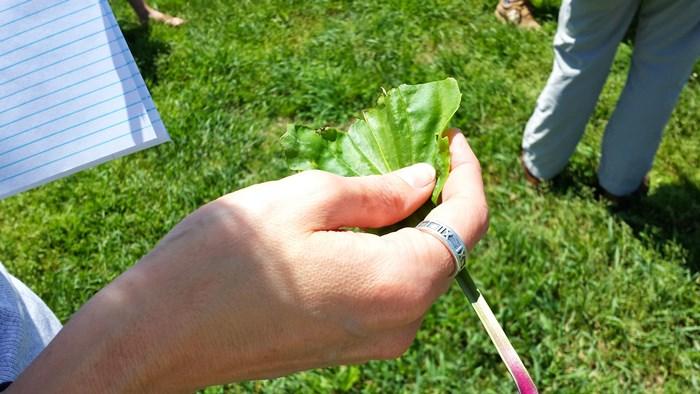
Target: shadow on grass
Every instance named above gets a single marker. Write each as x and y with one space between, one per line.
572 181
670 212
146 50
546 14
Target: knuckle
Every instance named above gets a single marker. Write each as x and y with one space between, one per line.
388 196
315 179
476 217
387 292
382 195
419 272
484 220
317 186
477 164
387 295
400 300
395 346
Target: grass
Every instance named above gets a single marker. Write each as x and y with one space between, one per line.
595 300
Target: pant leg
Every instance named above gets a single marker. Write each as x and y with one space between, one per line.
667 44
584 47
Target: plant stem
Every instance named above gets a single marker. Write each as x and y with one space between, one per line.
498 336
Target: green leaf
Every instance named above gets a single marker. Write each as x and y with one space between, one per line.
404 128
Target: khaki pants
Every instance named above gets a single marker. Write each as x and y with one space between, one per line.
666 46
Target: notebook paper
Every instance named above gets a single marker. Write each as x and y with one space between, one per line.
71 96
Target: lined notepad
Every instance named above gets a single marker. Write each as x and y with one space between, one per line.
71 95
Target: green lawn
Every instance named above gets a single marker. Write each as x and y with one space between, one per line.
594 300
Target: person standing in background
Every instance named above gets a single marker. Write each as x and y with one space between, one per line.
666 46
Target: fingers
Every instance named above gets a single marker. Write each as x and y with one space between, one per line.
407 265
371 201
463 206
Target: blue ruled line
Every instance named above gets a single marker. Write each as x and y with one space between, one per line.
59 61
14 6
58 47
61 75
52 35
77 152
70 86
60 32
54 106
33 13
49 21
77 111
69 141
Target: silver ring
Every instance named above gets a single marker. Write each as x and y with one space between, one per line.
450 239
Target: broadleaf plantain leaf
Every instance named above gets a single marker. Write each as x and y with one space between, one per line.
406 127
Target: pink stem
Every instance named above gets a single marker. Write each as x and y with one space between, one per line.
505 349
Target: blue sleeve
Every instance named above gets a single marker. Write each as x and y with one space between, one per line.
27 325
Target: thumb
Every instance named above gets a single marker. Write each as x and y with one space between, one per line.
378 200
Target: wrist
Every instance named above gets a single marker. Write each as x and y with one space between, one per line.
105 347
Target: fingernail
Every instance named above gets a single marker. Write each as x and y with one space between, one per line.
418 175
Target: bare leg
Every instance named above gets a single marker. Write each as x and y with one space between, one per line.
146 13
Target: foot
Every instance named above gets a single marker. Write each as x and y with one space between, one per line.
152 14
628 199
516 12
529 177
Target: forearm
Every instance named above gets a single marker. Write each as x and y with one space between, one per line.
251 287
106 347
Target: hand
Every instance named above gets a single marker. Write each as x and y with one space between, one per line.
263 282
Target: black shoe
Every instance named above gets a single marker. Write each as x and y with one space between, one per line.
626 200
